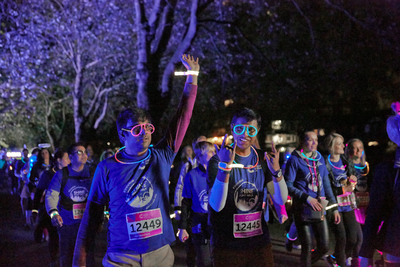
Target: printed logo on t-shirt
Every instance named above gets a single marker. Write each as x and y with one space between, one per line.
246 195
141 195
78 193
203 200
312 185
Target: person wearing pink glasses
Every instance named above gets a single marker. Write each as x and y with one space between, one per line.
134 183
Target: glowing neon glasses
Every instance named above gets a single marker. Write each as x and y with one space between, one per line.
137 129
240 128
79 152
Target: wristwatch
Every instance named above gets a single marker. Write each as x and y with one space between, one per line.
278 173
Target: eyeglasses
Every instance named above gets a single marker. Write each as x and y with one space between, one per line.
79 152
137 129
240 128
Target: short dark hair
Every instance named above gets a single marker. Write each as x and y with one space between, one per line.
248 114
71 148
23 150
134 114
59 154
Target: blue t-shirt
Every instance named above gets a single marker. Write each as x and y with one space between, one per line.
240 224
138 200
339 174
301 182
76 189
195 188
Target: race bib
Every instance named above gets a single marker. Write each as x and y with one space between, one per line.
144 224
247 225
344 200
78 210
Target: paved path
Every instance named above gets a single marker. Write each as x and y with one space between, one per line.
17 247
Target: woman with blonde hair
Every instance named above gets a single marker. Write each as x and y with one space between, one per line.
343 182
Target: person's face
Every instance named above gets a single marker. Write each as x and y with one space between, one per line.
45 154
310 142
140 142
26 152
245 132
187 152
338 146
79 156
205 157
64 161
357 150
89 151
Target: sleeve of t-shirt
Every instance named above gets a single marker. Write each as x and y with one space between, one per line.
179 185
187 186
53 192
290 177
98 190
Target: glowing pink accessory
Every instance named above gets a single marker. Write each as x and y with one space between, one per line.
339 168
137 129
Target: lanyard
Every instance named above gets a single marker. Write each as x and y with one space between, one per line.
315 173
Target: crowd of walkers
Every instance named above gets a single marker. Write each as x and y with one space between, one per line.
222 197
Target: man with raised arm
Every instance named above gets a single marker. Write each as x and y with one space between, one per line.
238 175
135 184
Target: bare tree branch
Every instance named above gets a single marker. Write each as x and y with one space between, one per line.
308 22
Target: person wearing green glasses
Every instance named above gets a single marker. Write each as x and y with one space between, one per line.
238 175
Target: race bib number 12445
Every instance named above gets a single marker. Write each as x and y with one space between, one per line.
247 225
144 224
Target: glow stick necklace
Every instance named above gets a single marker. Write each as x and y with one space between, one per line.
148 156
311 158
361 168
23 161
255 165
339 168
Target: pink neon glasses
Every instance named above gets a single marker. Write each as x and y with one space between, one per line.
137 129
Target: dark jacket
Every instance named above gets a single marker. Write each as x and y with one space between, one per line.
384 206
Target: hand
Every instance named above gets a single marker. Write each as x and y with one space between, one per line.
349 188
183 235
314 203
337 217
189 62
272 159
57 221
34 216
283 219
226 153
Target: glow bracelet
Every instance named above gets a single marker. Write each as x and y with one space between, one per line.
185 73
54 213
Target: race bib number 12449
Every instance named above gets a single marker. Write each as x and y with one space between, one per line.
144 224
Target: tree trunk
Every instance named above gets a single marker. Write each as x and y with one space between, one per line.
142 71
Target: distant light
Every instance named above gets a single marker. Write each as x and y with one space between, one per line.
13 154
282 149
287 156
321 132
373 143
231 137
276 124
228 102
215 139
108 143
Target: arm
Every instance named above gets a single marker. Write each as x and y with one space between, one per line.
91 221
219 189
92 217
179 189
182 224
277 187
290 177
52 197
180 122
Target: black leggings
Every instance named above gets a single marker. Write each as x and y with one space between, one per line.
320 230
348 236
